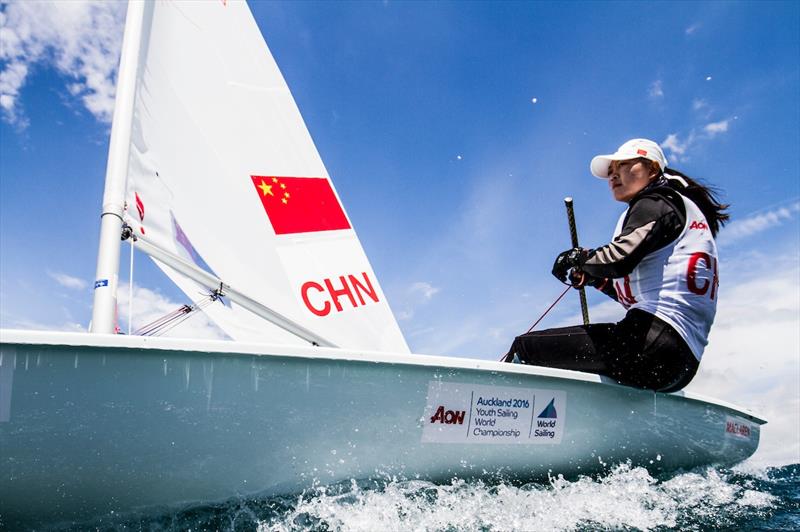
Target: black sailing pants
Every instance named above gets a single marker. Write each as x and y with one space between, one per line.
641 351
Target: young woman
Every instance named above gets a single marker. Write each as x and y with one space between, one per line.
661 265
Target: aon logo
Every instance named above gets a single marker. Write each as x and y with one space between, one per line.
698 225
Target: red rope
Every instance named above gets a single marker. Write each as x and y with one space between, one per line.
548 309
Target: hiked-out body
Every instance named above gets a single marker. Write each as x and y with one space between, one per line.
661 265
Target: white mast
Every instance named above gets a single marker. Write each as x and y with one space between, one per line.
105 291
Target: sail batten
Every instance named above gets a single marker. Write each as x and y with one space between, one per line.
223 172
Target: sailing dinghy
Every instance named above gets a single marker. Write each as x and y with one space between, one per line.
213 172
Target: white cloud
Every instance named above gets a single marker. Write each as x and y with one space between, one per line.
656 91
716 127
756 223
680 149
676 146
404 315
699 104
692 29
81 39
67 281
11 79
424 290
419 293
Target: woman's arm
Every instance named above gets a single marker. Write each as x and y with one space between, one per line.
655 219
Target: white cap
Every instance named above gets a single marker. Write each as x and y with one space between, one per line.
633 149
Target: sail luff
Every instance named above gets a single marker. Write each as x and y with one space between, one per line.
106 279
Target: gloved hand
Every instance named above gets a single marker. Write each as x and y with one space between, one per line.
566 261
578 279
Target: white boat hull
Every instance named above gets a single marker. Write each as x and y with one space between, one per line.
94 424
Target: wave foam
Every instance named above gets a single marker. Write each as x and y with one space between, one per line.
625 498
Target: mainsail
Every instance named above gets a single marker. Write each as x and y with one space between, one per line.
223 173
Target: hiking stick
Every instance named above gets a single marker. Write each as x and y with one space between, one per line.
573 233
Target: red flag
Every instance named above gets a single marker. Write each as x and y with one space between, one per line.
300 204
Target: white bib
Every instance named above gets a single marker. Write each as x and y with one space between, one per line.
678 283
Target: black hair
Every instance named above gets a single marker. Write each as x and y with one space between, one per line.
704 196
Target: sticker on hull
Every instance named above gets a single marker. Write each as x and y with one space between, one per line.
471 413
737 427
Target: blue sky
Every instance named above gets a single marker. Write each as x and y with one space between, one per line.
453 131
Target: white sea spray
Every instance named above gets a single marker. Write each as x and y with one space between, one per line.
624 498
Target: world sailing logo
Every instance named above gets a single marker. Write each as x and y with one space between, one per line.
546 422
550 410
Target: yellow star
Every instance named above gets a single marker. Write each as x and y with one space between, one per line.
285 201
274 179
283 185
265 188
286 195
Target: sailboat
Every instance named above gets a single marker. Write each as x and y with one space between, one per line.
213 173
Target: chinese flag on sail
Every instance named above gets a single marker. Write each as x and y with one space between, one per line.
300 204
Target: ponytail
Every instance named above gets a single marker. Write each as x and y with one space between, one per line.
704 196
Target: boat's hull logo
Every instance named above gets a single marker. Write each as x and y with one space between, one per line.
474 413
738 428
550 410
448 417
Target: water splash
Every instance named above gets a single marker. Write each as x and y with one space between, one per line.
625 498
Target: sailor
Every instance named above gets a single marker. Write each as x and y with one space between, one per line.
661 265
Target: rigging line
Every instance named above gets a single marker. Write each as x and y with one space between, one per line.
157 331
175 318
174 323
154 325
168 319
503 358
130 291
549 309
170 316
190 311
180 319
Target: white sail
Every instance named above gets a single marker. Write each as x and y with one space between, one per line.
223 172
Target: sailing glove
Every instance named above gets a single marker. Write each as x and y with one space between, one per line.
567 261
579 279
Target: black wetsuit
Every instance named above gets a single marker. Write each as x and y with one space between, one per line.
641 350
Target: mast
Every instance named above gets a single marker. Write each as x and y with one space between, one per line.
105 286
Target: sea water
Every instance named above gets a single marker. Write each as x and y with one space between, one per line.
622 498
